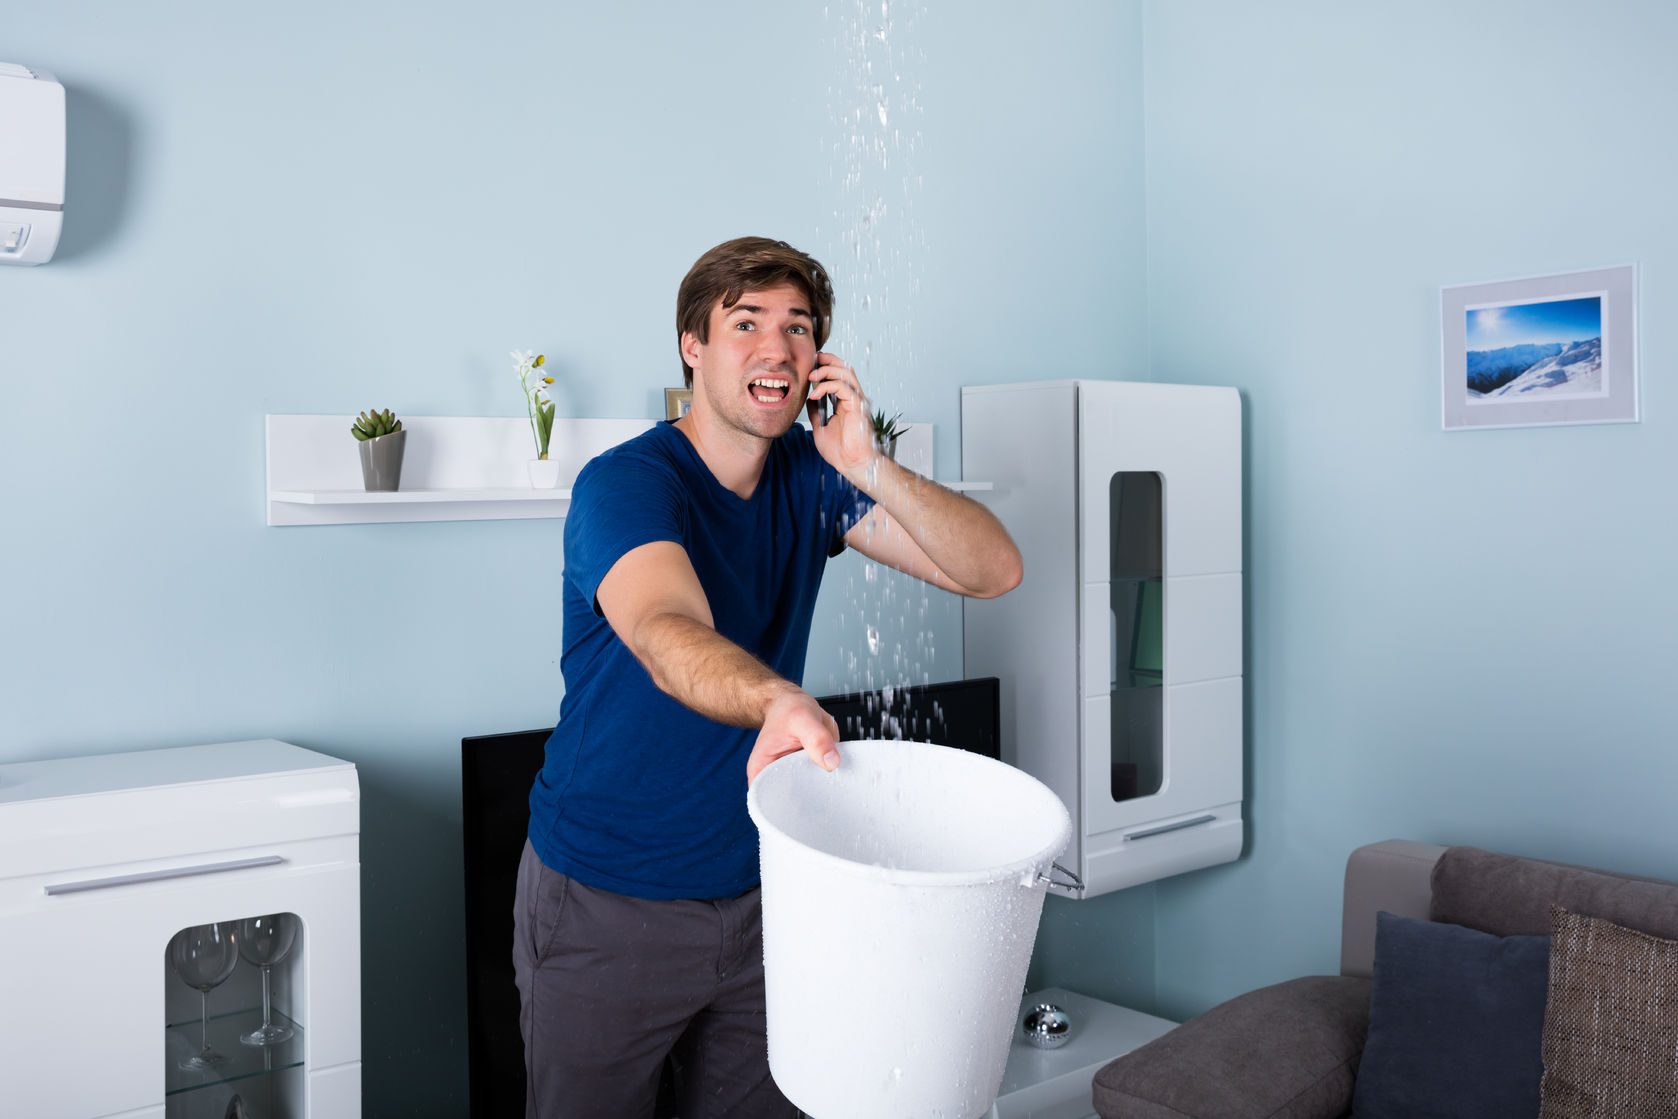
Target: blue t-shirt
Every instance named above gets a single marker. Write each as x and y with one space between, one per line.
638 794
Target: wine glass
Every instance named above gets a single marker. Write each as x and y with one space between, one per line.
204 956
264 941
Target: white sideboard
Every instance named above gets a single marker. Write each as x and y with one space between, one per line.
104 859
1059 1083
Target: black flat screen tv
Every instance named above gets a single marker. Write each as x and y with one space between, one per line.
496 772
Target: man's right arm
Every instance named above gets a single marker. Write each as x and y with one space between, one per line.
652 599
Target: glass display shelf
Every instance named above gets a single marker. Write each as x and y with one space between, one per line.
243 1062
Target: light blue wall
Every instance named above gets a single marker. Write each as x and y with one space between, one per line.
1454 637
324 207
1463 637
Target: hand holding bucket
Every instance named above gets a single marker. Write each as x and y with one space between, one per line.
794 722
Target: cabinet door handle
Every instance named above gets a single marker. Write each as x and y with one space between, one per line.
55 888
1163 828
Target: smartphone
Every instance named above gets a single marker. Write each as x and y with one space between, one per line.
824 406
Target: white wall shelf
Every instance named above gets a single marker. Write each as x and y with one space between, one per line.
458 468
414 497
914 451
455 468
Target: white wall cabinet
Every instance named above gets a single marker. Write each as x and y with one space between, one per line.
104 859
1121 654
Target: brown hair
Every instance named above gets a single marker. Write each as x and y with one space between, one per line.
748 264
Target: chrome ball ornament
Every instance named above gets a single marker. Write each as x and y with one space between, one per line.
1047 1026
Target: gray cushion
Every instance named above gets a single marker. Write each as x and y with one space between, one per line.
1283 1052
1509 896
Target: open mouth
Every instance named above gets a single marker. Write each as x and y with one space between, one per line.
769 390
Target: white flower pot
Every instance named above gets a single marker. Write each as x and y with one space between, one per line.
544 473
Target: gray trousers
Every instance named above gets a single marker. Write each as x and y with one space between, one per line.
609 986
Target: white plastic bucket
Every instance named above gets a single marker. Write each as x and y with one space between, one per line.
901 895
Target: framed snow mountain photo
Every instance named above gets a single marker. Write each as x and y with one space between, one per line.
1544 350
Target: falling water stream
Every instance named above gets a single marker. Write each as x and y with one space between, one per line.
885 640
885 630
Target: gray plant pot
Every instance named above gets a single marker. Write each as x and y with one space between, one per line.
381 462
889 448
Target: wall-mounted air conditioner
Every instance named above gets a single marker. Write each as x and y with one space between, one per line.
31 164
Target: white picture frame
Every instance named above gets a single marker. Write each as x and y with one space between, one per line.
1540 351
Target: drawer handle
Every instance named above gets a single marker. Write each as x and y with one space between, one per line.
1178 826
55 888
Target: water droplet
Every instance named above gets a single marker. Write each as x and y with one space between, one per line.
874 640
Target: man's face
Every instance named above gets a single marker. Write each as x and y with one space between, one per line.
754 372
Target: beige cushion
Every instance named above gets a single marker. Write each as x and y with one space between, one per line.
1610 1022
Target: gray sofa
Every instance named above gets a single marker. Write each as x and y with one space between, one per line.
1291 1051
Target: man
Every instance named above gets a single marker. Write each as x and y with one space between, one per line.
692 558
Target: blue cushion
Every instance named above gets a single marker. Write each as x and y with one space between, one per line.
1456 1022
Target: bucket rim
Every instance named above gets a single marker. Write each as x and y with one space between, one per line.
1035 864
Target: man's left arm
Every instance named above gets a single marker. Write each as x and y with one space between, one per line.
922 529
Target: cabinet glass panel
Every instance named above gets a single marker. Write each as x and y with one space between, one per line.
232 1049
1137 633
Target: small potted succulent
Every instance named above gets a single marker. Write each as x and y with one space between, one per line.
379 436
544 472
886 432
